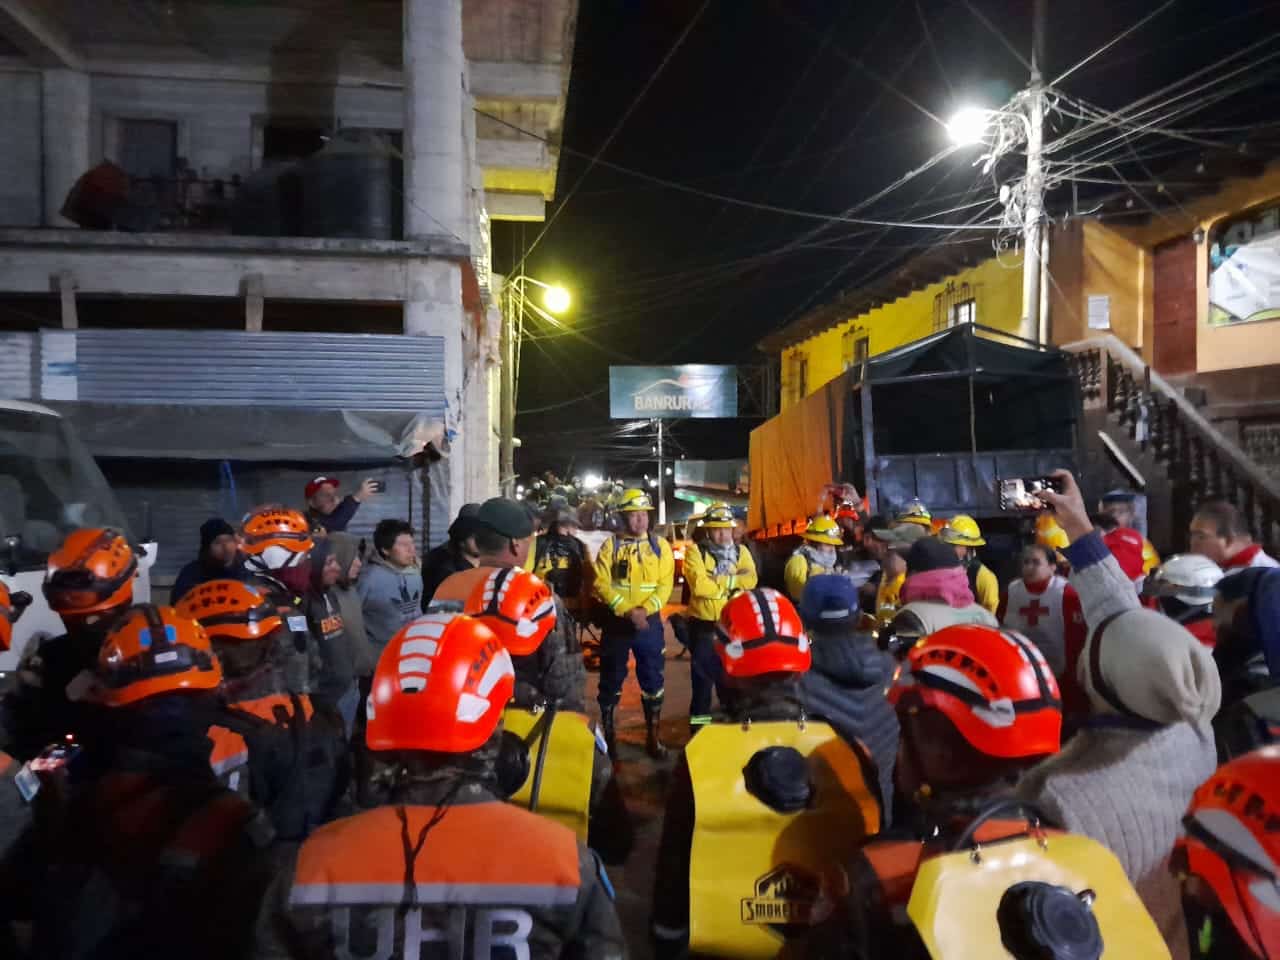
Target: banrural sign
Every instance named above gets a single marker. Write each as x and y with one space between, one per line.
694 390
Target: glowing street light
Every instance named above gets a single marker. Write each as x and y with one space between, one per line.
556 299
968 126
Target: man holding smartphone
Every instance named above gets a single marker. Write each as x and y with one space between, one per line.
326 512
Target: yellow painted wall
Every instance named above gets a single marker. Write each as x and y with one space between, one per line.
1089 259
998 294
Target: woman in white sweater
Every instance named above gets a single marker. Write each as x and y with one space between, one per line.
1126 778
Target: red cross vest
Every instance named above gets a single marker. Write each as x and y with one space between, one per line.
1039 617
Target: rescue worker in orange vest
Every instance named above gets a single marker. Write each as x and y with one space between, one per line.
277 543
270 745
634 576
963 533
977 707
765 806
552 763
88 581
137 850
716 570
445 861
1229 861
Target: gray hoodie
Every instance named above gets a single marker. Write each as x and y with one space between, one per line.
390 597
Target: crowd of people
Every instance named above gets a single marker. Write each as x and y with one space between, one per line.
320 748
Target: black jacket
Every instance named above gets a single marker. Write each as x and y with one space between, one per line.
337 521
846 687
439 565
200 571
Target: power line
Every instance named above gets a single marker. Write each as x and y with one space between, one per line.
1113 41
996 32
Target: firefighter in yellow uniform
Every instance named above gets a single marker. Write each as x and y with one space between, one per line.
716 569
765 805
963 533
634 577
896 541
814 557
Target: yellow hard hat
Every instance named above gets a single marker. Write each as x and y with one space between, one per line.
915 512
824 530
962 531
634 500
1049 534
718 516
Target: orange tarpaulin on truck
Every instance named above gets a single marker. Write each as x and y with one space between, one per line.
796 453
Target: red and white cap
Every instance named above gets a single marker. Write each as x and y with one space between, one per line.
313 487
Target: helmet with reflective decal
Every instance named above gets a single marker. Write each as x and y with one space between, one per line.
91 572
276 537
915 512
1232 846
231 611
718 516
995 687
516 605
152 650
760 632
441 685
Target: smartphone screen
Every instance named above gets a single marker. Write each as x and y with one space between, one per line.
1021 494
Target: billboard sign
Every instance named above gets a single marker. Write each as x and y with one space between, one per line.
694 390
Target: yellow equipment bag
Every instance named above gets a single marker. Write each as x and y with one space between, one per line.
955 897
565 793
757 876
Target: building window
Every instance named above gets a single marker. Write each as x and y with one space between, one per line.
148 149
854 347
287 140
956 304
966 311
797 376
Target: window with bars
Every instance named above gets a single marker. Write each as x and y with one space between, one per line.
956 304
855 345
966 311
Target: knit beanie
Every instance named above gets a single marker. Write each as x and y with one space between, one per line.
1140 663
212 529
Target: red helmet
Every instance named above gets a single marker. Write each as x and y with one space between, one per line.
441 685
91 572
152 650
516 605
1232 846
11 607
276 537
760 632
231 611
993 685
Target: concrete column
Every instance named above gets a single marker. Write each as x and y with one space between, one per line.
434 153
65 137
433 308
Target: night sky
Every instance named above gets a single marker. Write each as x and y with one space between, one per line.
812 106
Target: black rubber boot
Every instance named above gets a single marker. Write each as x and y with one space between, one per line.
610 735
653 744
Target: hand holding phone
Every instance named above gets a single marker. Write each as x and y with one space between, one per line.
1024 494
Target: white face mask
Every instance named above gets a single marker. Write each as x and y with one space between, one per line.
824 552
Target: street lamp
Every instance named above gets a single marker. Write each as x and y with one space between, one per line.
556 300
968 126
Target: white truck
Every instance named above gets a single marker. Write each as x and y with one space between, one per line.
49 486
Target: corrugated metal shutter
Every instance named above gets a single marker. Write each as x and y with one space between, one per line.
235 368
178 497
16 363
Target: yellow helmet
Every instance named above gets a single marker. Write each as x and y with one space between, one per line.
915 512
823 529
718 515
634 500
1049 534
962 531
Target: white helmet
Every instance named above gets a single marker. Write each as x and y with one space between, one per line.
1188 577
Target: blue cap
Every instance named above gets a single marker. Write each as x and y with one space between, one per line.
829 598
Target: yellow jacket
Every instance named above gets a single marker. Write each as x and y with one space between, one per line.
649 577
797 573
987 591
709 592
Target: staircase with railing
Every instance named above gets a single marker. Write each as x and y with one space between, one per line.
1201 462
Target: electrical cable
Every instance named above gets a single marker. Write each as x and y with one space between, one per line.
1113 41
997 33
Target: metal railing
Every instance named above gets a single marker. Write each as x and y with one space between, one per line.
1203 463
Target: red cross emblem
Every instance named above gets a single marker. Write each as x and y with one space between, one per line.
1032 612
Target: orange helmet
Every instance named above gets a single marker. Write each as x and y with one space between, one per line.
152 650
276 536
1232 847
91 572
441 685
516 605
993 685
231 610
11 607
760 632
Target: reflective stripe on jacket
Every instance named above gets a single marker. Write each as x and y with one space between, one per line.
647 579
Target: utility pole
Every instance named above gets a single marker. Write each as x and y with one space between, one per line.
507 393
662 481
1033 214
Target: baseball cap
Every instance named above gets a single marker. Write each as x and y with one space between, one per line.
1119 496
900 538
314 486
506 517
464 524
930 553
1125 544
